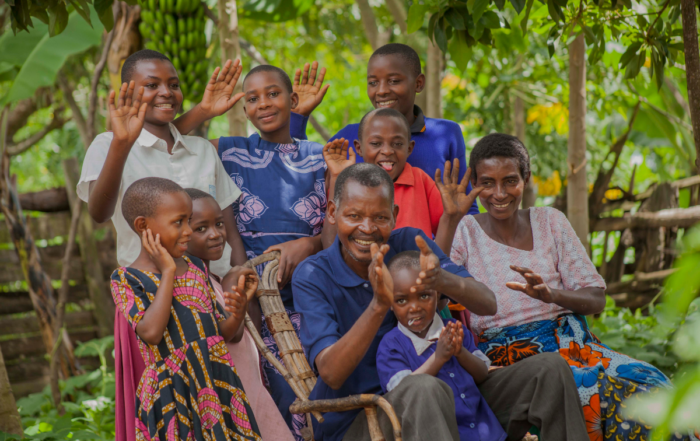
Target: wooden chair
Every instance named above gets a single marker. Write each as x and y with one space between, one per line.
295 368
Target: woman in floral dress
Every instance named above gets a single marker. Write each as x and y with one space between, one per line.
544 284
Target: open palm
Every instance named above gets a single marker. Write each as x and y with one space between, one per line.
217 98
309 87
455 201
338 156
127 120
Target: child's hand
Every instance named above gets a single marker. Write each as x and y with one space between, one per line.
236 303
217 98
379 277
159 255
446 344
458 338
429 275
127 120
234 275
338 156
455 201
309 88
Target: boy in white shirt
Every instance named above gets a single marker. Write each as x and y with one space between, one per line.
145 143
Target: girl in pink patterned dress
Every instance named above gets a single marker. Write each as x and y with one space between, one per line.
544 284
189 389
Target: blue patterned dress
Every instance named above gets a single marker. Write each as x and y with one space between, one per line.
283 198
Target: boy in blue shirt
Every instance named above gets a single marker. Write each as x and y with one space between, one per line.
393 79
411 349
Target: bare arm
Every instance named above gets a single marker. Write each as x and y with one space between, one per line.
233 237
338 361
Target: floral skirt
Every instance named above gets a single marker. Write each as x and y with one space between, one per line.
605 378
194 394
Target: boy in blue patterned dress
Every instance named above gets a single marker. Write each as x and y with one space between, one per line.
283 202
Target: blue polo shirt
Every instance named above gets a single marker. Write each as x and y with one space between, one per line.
330 298
437 140
475 419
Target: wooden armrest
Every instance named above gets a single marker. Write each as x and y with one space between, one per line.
349 403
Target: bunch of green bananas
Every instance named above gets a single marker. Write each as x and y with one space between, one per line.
176 28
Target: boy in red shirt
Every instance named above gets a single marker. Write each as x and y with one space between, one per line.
436 207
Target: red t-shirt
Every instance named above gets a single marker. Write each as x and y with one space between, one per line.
419 201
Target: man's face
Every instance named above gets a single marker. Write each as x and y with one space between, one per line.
171 221
390 84
161 90
365 216
268 103
386 143
208 232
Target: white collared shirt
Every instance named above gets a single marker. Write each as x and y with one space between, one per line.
193 163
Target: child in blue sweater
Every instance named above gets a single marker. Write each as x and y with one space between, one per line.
393 79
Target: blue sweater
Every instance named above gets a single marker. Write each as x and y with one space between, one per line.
437 140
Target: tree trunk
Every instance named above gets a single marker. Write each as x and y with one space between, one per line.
577 187
10 421
433 77
230 50
126 41
519 121
692 70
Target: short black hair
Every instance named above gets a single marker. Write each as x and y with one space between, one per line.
286 82
405 259
132 60
500 144
383 112
143 196
365 174
196 194
406 53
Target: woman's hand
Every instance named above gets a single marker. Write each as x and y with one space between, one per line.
455 201
127 120
292 253
159 255
535 286
338 156
379 277
217 98
429 275
309 88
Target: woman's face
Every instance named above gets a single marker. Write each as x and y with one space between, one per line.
503 186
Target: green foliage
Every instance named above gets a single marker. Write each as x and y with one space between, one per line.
87 399
275 10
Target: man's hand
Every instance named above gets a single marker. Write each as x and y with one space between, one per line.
127 120
217 98
338 156
236 302
429 275
535 286
292 253
159 255
309 88
379 277
455 201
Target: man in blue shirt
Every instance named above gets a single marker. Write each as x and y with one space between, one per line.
344 295
393 79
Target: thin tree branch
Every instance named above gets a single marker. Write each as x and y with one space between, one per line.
398 11
369 22
61 304
78 117
657 18
92 100
20 147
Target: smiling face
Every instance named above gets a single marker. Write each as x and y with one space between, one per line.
268 103
365 216
418 309
386 143
208 232
503 186
161 90
391 84
171 221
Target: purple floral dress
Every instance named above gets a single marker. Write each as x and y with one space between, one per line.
283 198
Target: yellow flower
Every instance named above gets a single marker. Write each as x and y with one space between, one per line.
613 194
452 82
647 62
550 186
551 117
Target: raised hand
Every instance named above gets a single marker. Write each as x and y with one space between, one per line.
446 344
158 254
429 275
455 201
458 338
217 98
379 277
535 286
236 302
338 156
127 119
310 88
